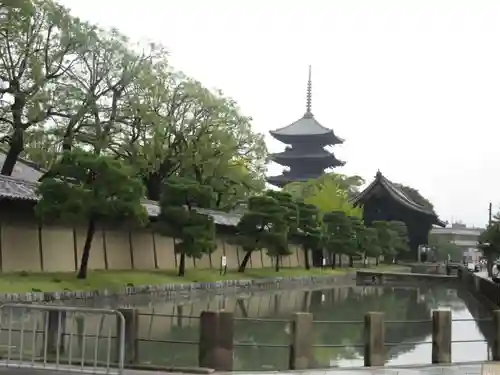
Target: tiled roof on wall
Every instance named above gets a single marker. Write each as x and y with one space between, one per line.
24 169
15 188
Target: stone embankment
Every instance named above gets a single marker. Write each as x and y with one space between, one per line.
192 290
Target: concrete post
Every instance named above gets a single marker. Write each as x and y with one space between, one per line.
301 342
55 328
131 335
374 339
216 345
441 336
495 350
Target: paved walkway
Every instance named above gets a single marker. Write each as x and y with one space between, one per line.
489 368
30 371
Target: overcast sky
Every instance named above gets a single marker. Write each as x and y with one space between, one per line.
413 86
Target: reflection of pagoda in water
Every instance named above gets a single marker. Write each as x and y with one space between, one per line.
305 155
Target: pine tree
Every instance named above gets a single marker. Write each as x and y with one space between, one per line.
193 232
308 232
337 234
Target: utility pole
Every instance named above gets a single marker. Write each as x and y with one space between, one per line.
489 215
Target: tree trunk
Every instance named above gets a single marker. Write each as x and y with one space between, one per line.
153 186
351 261
244 262
306 258
377 261
16 146
334 261
82 273
340 260
277 264
182 265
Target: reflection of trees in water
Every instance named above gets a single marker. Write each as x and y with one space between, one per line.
399 305
338 304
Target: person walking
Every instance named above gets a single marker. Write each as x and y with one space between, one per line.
495 273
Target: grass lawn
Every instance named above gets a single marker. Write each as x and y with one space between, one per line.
113 280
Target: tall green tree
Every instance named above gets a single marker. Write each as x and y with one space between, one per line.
39 43
402 242
371 245
308 230
283 226
359 239
445 249
349 184
328 196
337 235
68 85
267 225
193 232
254 228
178 127
92 189
387 239
489 242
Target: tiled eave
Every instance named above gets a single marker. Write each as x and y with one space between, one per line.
397 195
17 189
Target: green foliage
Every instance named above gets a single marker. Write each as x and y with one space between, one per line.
445 249
338 235
194 232
489 242
308 230
286 202
267 224
387 238
255 225
41 39
359 236
371 243
91 188
87 187
284 221
350 184
329 193
69 85
309 225
401 243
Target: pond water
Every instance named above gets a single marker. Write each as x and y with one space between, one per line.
169 330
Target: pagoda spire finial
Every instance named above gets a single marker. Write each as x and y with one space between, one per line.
309 94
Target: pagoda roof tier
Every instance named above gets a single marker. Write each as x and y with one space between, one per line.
397 194
306 129
294 156
284 179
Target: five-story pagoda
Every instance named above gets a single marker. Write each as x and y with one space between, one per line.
305 154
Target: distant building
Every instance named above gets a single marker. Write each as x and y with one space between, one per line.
305 155
384 200
458 234
462 236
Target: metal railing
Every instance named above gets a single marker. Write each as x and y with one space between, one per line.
62 338
242 343
102 341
